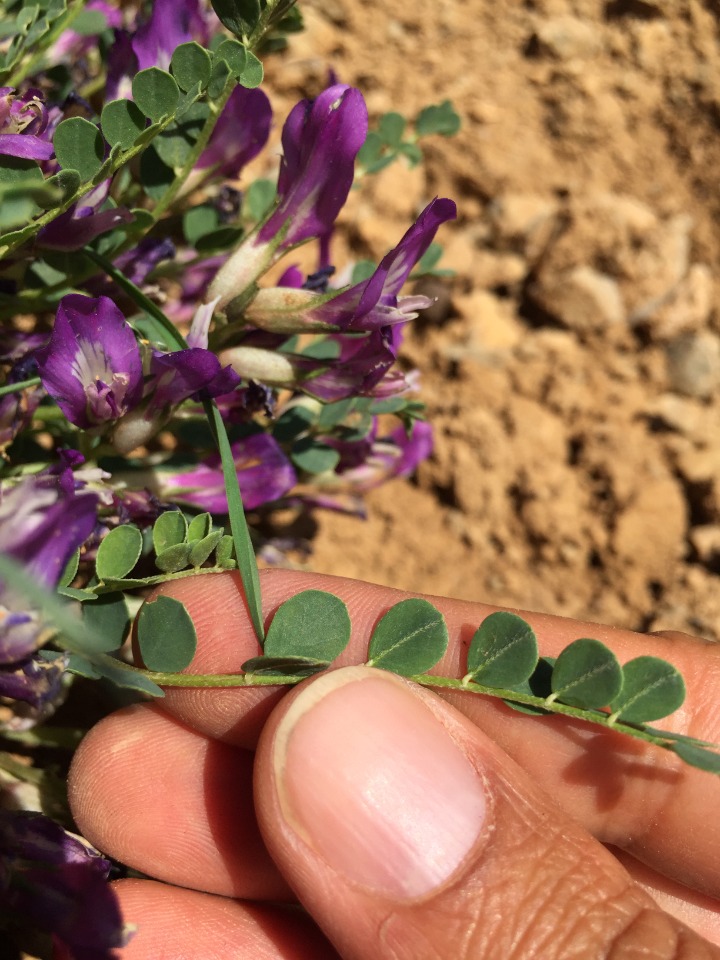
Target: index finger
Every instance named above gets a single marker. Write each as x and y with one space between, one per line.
635 796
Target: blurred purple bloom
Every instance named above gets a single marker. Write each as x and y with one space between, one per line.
361 366
84 221
195 281
75 45
91 366
171 23
137 263
240 134
53 880
43 520
34 681
372 304
24 125
320 139
263 471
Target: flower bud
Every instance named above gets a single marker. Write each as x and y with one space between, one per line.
255 363
242 268
287 310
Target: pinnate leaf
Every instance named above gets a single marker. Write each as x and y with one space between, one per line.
170 528
122 123
410 638
174 558
652 688
199 527
252 75
586 674
313 624
190 64
314 457
698 756
166 635
438 118
503 652
155 92
202 549
118 553
239 16
108 618
79 146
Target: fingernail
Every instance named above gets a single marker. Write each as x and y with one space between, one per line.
374 783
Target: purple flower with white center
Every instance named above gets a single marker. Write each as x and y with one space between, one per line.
369 305
24 125
58 883
91 366
320 139
240 133
84 221
264 474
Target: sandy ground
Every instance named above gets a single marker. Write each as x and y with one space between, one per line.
572 366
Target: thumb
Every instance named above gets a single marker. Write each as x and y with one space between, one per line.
406 833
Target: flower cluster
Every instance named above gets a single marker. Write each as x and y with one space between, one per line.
135 263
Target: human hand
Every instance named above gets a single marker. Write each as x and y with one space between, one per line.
408 825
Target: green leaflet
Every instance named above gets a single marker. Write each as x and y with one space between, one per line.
118 553
503 651
586 674
410 638
313 625
166 635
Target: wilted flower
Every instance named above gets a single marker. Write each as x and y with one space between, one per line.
264 474
58 883
24 125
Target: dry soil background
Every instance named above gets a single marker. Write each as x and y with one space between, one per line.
573 373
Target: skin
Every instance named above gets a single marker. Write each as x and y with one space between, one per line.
594 845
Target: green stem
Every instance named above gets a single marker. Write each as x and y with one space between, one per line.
20 385
184 172
210 680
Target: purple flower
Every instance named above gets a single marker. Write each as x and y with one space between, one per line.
370 305
184 374
171 23
58 884
75 45
263 471
43 520
321 139
23 125
37 687
91 366
240 134
84 221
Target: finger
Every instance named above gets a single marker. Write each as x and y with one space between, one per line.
173 923
637 797
408 833
695 910
165 800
